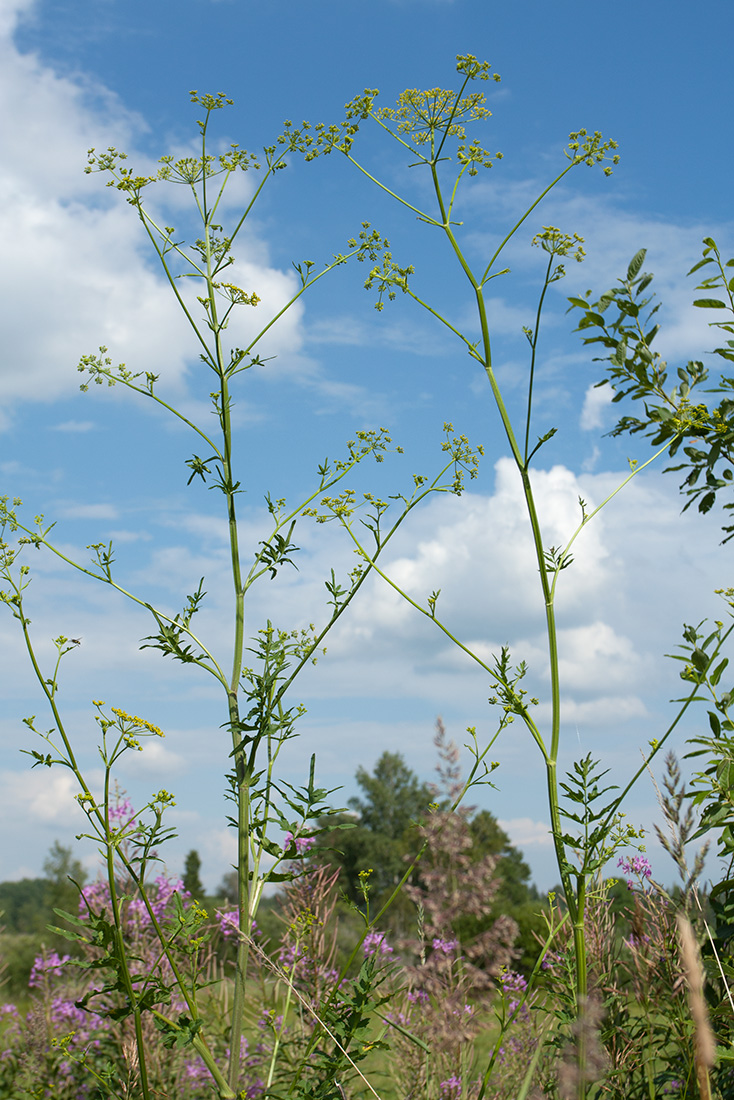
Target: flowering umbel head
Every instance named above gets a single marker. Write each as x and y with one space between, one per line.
424 118
591 149
429 117
556 243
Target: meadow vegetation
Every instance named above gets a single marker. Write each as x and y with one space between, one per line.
404 954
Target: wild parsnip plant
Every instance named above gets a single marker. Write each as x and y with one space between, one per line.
587 823
162 985
256 680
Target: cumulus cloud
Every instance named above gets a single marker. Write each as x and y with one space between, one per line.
526 833
79 426
478 550
43 796
74 276
596 400
77 273
640 570
88 511
154 761
613 235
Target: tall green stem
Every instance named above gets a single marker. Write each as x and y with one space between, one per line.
242 774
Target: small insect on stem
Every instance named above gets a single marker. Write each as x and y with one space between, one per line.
75 641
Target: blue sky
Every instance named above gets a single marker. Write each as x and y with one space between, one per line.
105 466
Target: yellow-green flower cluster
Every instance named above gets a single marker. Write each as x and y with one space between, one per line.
138 723
555 242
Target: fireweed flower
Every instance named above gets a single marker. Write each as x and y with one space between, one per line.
376 944
269 1021
46 965
638 865
196 1076
418 996
67 1017
160 898
96 895
635 941
165 889
303 844
550 959
228 922
451 1088
514 987
122 814
446 947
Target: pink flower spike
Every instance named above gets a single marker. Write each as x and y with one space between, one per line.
302 844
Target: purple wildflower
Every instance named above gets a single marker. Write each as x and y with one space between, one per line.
514 987
376 944
446 947
122 814
228 921
550 960
302 844
46 964
418 996
638 865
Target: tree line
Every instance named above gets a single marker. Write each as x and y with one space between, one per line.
378 837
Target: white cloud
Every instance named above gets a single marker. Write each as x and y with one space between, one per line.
613 234
77 272
407 335
11 12
154 761
88 511
211 529
44 795
596 400
122 535
594 655
479 552
601 712
526 833
640 570
505 318
76 426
